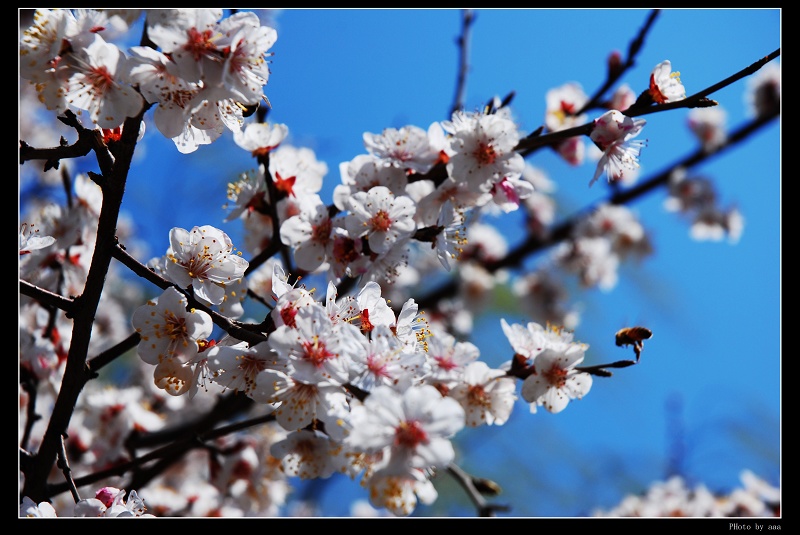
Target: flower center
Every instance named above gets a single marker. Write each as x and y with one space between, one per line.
556 376
316 352
477 396
101 79
199 43
381 221
409 434
485 154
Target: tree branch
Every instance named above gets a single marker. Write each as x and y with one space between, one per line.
467 19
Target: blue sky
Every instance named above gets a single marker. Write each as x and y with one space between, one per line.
708 384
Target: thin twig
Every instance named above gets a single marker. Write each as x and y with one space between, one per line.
45 297
467 19
63 464
249 333
700 99
485 509
615 74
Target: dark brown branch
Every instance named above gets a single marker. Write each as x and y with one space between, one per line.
467 19
85 308
615 74
88 140
29 382
63 464
245 332
109 355
700 99
46 297
536 140
191 438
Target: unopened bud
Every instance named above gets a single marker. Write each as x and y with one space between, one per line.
614 65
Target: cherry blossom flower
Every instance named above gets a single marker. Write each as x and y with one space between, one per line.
411 328
620 226
261 138
110 502
676 498
400 491
372 309
30 509
612 133
622 98
562 106
387 361
715 224
592 258
299 404
458 194
364 172
106 417
556 382
407 148
188 36
544 298
309 234
296 171
39 354
317 348
203 258
687 194
487 395
448 358
43 44
99 85
170 339
244 69
160 82
708 124
288 298
452 236
665 85
30 240
508 192
763 94
387 267
483 147
415 426
207 123
531 339
247 195
236 367
381 217
696 198
306 454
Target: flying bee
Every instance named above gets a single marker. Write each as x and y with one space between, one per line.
634 336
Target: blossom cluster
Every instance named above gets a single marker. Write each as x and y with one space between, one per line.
696 198
202 72
677 498
355 388
109 502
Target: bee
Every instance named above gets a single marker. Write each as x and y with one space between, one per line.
634 336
